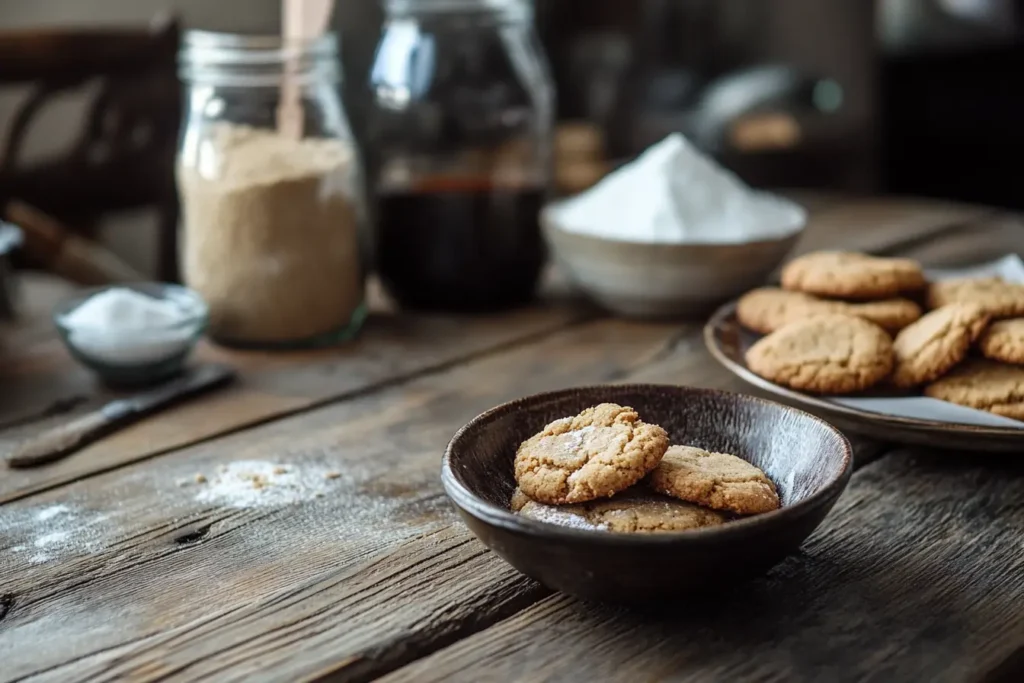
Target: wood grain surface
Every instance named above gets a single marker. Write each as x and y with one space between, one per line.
896 585
158 554
270 385
237 581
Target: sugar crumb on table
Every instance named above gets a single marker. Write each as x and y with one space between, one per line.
249 483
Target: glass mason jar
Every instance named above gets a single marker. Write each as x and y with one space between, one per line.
271 191
461 153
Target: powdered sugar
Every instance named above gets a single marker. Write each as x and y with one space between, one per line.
561 517
575 438
52 511
51 538
253 483
674 194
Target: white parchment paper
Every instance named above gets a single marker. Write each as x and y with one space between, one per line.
1010 268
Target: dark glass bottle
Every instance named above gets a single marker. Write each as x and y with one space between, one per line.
461 134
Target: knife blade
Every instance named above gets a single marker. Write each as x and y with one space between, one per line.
63 440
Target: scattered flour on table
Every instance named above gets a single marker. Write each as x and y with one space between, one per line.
52 511
53 532
254 483
361 505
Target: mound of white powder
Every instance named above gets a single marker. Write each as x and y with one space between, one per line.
674 194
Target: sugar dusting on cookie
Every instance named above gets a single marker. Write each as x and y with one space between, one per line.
573 440
560 516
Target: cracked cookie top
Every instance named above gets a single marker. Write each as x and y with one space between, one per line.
601 451
852 275
825 354
983 384
930 347
999 298
1004 341
715 480
767 309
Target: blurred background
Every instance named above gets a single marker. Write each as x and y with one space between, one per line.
896 96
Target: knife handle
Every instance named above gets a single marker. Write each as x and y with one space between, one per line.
54 444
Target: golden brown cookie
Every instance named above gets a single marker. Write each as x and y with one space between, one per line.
928 349
767 309
1004 341
826 354
983 384
892 315
716 480
850 275
999 298
601 451
636 510
519 500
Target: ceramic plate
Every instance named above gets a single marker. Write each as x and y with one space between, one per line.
728 341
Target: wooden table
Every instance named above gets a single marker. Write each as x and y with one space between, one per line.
118 564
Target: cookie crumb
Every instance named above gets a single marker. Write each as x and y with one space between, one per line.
332 475
200 479
280 470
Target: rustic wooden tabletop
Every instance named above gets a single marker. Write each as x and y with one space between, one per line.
151 556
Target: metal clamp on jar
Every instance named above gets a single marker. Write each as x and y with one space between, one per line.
461 155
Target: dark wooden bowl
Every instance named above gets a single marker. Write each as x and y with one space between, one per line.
809 460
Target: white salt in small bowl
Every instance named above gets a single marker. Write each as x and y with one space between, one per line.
644 280
133 340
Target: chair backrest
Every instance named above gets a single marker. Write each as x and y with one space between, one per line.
123 155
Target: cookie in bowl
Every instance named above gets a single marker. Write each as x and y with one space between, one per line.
605 449
639 545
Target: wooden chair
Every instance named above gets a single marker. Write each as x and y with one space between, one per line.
123 158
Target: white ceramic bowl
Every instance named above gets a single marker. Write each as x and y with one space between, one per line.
662 280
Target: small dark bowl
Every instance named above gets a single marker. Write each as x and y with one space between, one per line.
809 460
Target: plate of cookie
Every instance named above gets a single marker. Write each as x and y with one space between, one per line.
644 492
885 348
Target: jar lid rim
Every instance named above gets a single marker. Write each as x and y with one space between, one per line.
517 8
244 47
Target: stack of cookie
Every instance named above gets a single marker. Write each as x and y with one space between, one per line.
606 469
995 380
845 322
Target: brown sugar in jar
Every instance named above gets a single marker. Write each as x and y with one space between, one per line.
271 236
